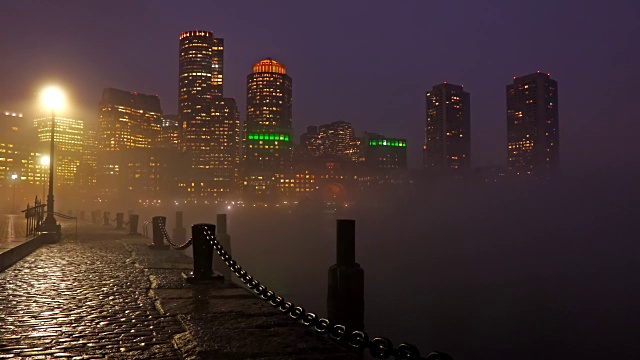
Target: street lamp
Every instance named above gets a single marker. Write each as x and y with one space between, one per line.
44 161
53 99
13 206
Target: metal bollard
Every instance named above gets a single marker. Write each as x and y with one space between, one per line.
179 232
119 220
95 214
158 237
345 296
133 224
225 240
203 255
105 218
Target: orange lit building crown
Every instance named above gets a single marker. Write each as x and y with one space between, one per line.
269 65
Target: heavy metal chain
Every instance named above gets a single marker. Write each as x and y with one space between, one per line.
379 347
166 237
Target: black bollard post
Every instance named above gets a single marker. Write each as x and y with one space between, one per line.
133 224
225 240
81 214
94 217
119 221
345 297
203 235
158 236
105 218
179 232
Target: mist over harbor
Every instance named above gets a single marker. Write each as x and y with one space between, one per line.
536 270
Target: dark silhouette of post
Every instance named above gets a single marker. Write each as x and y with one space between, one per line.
50 225
158 236
105 218
203 254
133 224
119 220
179 232
225 240
345 296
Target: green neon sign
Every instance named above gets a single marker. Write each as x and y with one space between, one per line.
270 137
388 142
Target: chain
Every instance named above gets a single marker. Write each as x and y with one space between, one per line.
166 237
379 347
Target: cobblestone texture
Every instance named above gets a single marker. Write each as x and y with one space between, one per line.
81 300
109 296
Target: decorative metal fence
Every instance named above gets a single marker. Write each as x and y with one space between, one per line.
35 216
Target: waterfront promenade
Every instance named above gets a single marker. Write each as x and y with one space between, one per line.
107 295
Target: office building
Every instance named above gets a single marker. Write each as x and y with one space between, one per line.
128 120
533 136
70 142
447 138
200 81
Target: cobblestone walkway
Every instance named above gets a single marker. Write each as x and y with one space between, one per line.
81 300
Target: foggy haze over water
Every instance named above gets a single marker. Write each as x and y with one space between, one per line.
520 271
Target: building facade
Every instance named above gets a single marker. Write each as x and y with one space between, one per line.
225 122
338 139
447 138
381 153
170 132
128 120
22 174
533 136
70 146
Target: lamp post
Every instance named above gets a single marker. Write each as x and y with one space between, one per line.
44 161
52 98
13 206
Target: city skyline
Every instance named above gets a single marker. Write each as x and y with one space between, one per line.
391 103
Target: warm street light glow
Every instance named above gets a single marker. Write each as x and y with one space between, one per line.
53 98
14 176
44 161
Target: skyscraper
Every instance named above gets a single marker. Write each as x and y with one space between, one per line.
199 82
268 133
447 137
533 139
128 120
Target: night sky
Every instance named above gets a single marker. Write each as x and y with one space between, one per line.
366 62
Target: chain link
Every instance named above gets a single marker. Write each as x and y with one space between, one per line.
165 235
380 348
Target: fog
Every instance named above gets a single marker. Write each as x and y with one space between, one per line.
524 271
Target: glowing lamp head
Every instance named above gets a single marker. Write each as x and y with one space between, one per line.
14 176
44 161
52 98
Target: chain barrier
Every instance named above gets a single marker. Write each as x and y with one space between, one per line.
166 237
379 347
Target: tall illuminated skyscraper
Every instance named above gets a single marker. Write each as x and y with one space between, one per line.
268 132
199 82
533 138
447 137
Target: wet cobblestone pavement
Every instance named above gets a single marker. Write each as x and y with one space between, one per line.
82 300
